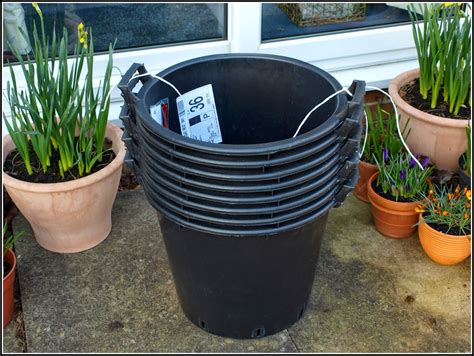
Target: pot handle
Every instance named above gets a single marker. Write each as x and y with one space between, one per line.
127 115
349 133
130 138
347 178
127 84
357 88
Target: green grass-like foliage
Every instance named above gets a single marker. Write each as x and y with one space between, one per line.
401 176
10 240
467 165
59 110
447 207
382 134
443 45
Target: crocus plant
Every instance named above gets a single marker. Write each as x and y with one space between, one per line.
382 134
442 206
10 240
467 166
400 176
59 112
443 45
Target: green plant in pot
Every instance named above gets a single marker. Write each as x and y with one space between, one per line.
392 192
382 133
444 227
9 266
62 160
436 97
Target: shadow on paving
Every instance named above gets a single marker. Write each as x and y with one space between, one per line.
370 294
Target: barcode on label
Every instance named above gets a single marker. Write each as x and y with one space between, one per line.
198 115
180 105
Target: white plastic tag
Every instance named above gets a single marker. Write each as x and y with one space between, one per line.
198 115
156 113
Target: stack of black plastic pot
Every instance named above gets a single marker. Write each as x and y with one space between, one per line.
243 220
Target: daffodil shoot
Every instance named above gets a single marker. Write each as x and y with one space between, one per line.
443 40
59 112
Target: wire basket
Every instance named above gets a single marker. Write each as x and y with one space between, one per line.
311 14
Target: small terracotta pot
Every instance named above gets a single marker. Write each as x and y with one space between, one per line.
366 170
441 139
8 283
392 219
71 216
443 248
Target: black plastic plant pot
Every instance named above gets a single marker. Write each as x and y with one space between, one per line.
243 287
243 220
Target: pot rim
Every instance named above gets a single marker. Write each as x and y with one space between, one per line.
370 189
12 271
112 130
364 163
402 79
439 233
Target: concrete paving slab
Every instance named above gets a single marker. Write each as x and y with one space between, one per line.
13 335
376 294
10 341
370 294
116 297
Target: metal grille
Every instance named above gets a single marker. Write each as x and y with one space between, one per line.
311 14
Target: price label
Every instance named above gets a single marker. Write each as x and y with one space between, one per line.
198 115
156 113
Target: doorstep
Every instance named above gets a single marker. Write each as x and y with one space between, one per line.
370 294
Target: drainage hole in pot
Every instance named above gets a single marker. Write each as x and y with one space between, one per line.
258 332
301 313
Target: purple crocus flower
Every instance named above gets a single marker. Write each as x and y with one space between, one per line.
413 161
403 174
385 155
425 161
407 187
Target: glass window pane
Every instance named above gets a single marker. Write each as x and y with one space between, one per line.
288 20
132 25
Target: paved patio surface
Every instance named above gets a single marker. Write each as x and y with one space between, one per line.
370 294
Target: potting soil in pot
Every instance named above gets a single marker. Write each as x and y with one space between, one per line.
14 166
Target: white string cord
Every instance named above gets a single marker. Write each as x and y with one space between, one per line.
317 106
138 76
398 124
366 120
157 77
366 134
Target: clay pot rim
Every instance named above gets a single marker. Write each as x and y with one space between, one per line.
12 271
406 77
439 233
367 164
369 188
74 184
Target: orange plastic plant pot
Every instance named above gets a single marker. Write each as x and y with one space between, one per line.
392 219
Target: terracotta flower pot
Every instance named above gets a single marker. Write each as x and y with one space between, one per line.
392 219
8 282
71 216
366 170
443 248
441 139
